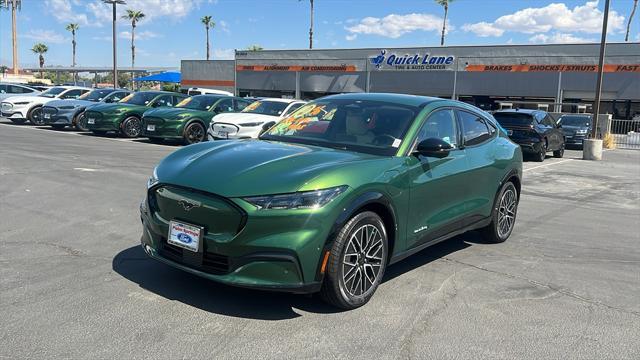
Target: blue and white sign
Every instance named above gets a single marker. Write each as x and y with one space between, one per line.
395 61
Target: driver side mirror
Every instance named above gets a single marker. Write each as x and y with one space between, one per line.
433 147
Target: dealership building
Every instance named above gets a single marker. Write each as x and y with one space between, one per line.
559 77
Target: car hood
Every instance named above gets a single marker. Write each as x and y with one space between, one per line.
237 118
69 102
256 167
103 107
173 113
29 99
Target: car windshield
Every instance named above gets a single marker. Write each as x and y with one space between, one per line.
582 121
510 119
371 127
266 107
141 98
198 102
53 92
95 95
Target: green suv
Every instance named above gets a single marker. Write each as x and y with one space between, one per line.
125 116
189 119
327 198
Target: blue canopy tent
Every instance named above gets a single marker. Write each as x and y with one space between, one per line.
168 76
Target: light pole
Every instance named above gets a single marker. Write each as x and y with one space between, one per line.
14 5
115 61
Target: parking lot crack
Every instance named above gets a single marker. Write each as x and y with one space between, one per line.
560 290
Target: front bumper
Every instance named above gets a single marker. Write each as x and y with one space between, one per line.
225 131
272 249
10 111
57 116
103 122
575 139
165 129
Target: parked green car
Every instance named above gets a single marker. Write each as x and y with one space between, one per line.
125 116
331 195
189 119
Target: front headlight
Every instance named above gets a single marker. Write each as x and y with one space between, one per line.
581 132
153 180
251 124
300 200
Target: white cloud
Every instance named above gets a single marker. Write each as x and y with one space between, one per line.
223 26
351 37
585 18
174 9
394 26
223 54
483 29
45 36
140 35
63 11
558 38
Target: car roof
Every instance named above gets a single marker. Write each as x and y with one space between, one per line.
410 100
73 87
520 111
280 100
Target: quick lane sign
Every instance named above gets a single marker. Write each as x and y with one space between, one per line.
395 61
609 68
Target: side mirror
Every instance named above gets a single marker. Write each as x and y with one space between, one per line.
433 147
559 126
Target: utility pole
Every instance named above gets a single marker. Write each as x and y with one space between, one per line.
115 60
603 41
14 5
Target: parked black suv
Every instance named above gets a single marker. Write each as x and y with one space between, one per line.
534 130
576 128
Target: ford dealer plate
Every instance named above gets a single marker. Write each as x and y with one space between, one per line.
151 128
91 121
184 235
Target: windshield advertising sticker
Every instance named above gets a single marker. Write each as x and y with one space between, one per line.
396 61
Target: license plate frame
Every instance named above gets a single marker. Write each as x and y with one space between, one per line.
46 116
185 235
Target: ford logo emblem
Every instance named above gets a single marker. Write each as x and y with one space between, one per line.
184 238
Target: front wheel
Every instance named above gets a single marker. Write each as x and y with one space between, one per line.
35 116
356 262
131 127
81 122
503 216
194 133
560 152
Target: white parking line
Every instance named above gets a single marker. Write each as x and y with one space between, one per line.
549 164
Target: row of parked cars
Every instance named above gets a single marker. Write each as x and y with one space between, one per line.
158 115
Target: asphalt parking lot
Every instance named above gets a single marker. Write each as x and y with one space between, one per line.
74 282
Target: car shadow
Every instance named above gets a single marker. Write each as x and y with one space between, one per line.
174 284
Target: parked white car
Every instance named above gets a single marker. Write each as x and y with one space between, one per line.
21 108
7 90
252 120
202 91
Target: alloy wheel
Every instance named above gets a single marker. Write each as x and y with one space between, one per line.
81 123
362 260
194 133
36 116
507 212
132 127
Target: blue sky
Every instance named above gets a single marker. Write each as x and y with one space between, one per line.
172 30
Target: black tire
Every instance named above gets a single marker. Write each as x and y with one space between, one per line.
194 133
560 152
341 292
99 132
131 127
18 121
57 126
493 232
80 122
542 153
35 116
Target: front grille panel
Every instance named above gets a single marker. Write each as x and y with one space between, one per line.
153 120
208 262
49 110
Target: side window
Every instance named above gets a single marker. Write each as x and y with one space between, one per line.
18 89
165 100
241 104
549 121
474 128
117 96
72 94
442 125
3 89
539 118
292 108
223 106
177 99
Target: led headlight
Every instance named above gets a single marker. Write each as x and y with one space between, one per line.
299 200
251 124
153 180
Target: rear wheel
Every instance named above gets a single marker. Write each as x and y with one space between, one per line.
357 262
503 216
542 153
35 116
194 133
131 127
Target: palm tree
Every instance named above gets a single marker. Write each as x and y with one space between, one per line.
254 47
134 16
208 24
633 11
14 5
445 5
310 24
73 28
40 49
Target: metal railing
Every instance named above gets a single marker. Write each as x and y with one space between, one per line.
626 133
